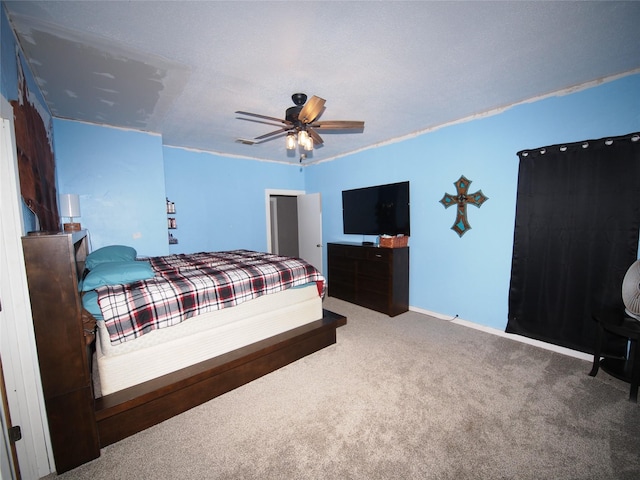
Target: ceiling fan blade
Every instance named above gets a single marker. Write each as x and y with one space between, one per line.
317 139
338 125
271 134
258 121
246 141
266 117
257 141
311 109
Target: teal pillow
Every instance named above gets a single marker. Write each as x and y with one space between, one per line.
90 303
116 273
111 253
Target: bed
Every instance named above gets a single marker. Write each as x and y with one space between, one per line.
156 366
168 313
198 325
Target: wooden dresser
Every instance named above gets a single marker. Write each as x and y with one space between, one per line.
62 351
373 277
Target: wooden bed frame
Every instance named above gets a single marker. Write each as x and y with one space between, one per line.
79 424
128 411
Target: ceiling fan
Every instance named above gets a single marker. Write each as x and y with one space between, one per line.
301 124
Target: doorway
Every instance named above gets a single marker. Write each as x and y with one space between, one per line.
284 225
294 225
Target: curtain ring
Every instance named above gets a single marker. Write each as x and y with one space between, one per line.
585 145
563 148
608 142
543 151
635 138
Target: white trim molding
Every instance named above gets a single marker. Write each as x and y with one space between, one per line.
518 338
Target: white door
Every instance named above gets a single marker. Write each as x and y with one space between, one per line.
310 229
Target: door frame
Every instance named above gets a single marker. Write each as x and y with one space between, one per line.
17 339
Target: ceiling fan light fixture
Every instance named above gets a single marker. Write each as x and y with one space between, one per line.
305 141
291 141
309 145
303 137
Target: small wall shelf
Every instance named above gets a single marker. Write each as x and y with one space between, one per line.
172 224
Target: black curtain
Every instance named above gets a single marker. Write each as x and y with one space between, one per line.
576 234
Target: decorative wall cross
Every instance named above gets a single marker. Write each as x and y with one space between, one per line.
461 225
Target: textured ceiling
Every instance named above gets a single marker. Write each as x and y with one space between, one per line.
183 68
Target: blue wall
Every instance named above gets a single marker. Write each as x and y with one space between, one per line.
119 175
123 178
220 202
469 276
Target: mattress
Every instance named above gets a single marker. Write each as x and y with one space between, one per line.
202 337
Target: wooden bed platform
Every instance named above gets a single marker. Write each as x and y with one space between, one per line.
126 412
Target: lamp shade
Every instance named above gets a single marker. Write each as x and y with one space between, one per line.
303 138
291 141
69 205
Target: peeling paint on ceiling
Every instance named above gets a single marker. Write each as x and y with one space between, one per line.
89 79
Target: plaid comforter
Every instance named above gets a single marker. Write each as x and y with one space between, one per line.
188 285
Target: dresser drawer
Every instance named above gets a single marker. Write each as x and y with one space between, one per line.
342 263
380 254
374 269
348 251
376 288
374 302
340 289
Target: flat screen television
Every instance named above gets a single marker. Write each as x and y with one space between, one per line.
377 210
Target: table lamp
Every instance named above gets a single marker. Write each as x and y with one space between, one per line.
70 207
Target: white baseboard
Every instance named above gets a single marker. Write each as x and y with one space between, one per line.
519 338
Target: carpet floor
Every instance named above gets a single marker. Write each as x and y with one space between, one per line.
410 397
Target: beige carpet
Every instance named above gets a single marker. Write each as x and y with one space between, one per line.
410 397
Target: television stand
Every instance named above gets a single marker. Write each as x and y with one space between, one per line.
369 276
